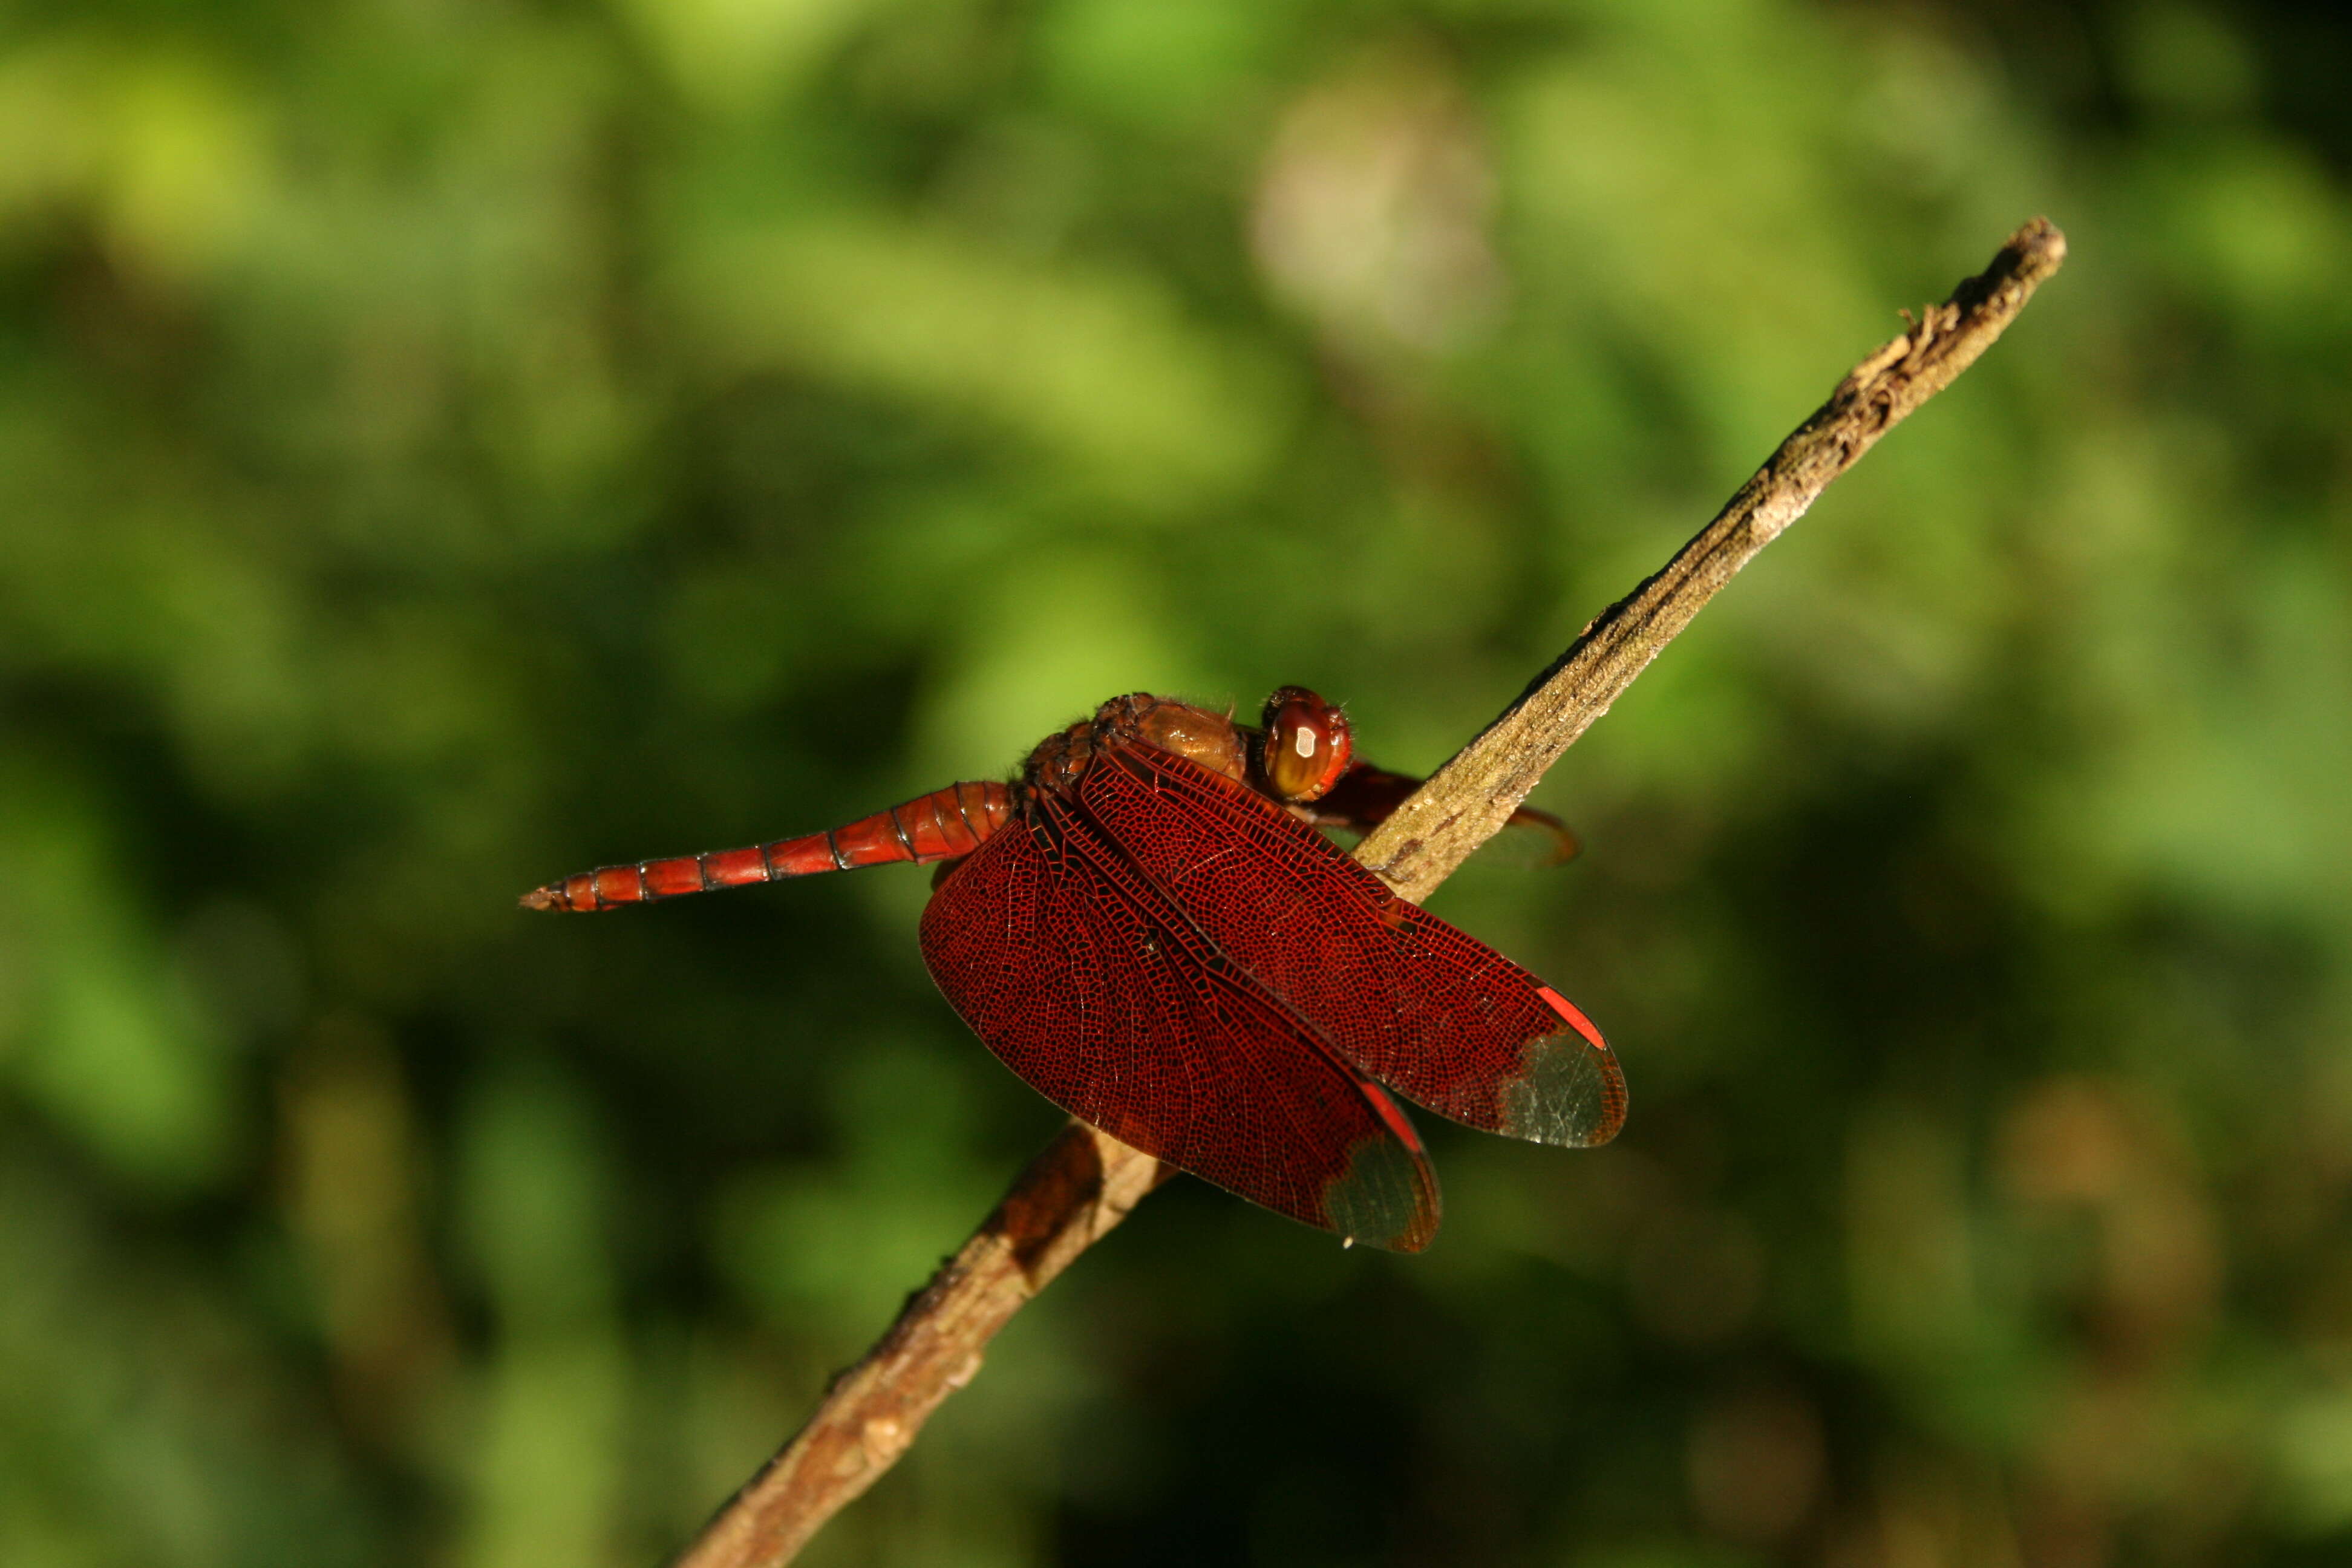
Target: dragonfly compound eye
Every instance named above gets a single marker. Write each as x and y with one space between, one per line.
1306 744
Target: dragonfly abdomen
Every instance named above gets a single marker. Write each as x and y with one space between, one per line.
941 826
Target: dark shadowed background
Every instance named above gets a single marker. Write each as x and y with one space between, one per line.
446 445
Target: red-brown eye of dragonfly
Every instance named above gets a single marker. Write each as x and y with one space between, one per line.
1306 744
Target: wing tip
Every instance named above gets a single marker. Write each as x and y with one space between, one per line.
1569 1091
1386 1197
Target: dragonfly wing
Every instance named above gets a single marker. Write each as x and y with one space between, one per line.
1106 1001
1427 1009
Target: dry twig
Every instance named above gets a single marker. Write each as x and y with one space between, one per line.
1085 1181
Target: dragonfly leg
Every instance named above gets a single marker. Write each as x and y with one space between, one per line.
1366 795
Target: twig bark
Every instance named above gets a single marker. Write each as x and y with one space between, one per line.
1467 801
1086 1182
1074 1192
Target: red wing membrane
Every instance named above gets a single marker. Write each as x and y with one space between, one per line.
1426 1009
1095 988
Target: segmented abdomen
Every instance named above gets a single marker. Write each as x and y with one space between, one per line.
940 825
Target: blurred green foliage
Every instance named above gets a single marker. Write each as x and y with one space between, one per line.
444 445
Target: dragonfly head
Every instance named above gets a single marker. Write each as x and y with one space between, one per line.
1305 745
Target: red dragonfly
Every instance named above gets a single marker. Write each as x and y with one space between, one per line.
1148 928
